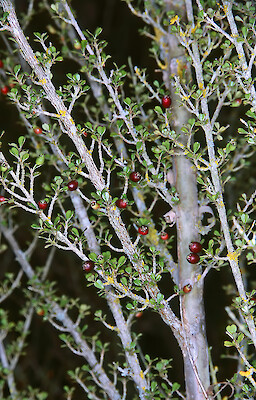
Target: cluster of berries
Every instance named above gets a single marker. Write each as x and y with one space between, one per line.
134 176
193 258
72 185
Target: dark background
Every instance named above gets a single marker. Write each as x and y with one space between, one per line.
45 364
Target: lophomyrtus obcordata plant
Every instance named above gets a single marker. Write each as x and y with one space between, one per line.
108 158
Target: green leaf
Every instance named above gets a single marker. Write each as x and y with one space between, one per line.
105 196
98 31
241 130
75 232
159 297
127 101
175 386
16 69
200 180
54 7
237 18
14 151
34 226
77 77
158 110
46 127
37 35
121 261
245 218
228 344
99 284
138 145
24 156
69 214
196 147
124 281
40 160
101 130
93 256
21 140
240 337
231 329
83 45
251 114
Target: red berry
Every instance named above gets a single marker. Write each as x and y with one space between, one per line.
1 64
187 288
193 258
72 185
2 199
38 130
40 311
143 230
121 203
166 101
135 176
195 247
164 236
42 204
139 314
4 90
237 102
85 133
88 266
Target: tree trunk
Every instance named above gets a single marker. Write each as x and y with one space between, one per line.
195 348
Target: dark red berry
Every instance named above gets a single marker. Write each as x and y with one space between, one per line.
88 266
135 176
72 185
187 288
166 101
121 203
42 204
38 130
143 230
2 199
195 247
164 236
1 64
193 258
4 90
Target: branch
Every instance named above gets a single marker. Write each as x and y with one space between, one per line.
55 310
207 127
